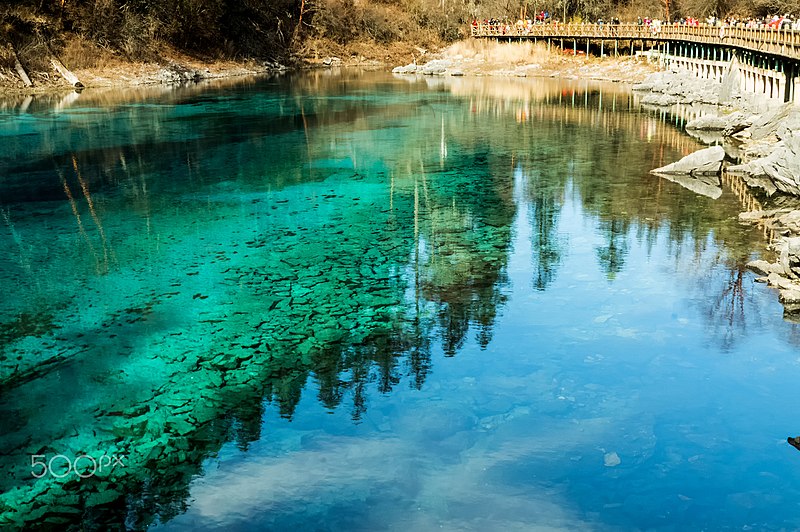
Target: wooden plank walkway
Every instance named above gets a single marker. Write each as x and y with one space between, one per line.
783 43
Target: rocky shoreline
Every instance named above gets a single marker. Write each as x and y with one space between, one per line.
758 140
522 60
132 75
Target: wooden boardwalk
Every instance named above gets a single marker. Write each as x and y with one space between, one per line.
783 43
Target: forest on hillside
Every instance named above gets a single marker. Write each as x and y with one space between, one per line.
274 29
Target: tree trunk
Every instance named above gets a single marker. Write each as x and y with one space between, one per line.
59 67
64 71
299 26
19 68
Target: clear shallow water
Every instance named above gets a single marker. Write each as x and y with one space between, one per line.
360 302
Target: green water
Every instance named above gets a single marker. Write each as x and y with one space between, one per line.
346 302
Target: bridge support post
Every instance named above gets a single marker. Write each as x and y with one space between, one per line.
574 47
616 44
601 48
587 47
548 44
788 86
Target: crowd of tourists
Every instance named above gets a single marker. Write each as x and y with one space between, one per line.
785 22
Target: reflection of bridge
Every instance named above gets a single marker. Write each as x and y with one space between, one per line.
769 58
610 111
607 112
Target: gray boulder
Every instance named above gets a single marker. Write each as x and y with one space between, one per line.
727 124
707 123
761 267
767 124
649 82
736 122
707 162
661 100
780 170
437 67
789 125
408 69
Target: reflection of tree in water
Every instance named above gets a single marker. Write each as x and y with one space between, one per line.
465 245
453 284
612 255
726 309
351 369
545 200
726 302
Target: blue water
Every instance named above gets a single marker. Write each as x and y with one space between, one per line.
360 302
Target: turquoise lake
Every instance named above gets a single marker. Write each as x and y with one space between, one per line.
352 301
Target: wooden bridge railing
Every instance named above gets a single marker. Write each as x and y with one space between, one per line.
782 42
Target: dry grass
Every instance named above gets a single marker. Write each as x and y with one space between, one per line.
315 49
80 53
6 58
517 53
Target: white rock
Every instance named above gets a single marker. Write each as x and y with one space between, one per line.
611 459
702 162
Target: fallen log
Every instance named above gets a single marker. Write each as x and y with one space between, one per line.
19 68
66 73
59 67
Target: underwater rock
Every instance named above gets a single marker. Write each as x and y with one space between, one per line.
611 459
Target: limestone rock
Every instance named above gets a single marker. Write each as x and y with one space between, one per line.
176 73
781 282
789 125
758 149
708 122
767 124
437 67
736 122
408 69
761 267
649 82
700 163
790 296
780 170
661 100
